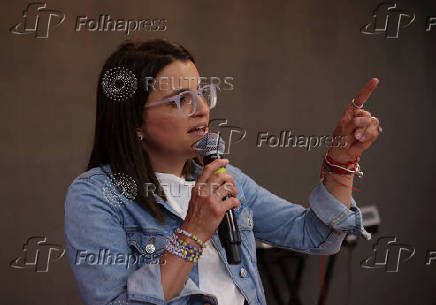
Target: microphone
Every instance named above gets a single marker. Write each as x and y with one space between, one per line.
211 147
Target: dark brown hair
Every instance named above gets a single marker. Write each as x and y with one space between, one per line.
115 140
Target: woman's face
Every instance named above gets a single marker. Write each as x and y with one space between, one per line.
164 128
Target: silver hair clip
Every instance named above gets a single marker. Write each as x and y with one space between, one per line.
119 83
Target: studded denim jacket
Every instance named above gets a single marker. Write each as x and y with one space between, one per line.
113 244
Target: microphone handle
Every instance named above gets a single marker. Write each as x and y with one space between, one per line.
230 238
228 230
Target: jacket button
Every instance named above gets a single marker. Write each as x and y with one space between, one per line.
243 272
150 248
250 222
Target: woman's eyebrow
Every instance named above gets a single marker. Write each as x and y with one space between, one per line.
175 92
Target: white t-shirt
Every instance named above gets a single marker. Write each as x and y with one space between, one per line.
213 275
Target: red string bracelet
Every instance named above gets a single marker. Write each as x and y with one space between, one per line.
331 166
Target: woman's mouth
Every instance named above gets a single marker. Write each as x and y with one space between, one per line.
199 131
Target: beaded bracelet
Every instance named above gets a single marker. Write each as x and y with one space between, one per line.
191 248
192 236
191 258
175 246
180 251
174 250
183 251
180 242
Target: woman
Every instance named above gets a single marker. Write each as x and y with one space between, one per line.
130 241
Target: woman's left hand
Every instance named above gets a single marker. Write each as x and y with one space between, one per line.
357 127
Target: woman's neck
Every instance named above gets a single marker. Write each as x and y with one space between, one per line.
169 165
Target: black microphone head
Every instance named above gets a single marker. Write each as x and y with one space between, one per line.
210 144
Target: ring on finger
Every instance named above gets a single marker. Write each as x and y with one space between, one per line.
354 104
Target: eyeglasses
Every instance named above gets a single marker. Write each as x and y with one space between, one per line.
187 100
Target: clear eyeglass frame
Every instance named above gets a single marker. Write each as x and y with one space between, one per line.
176 99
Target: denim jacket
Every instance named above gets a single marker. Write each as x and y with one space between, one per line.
113 244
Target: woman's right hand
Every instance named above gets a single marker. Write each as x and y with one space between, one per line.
206 207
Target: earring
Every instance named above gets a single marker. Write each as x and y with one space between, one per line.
140 137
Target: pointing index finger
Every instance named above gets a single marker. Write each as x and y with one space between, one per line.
365 93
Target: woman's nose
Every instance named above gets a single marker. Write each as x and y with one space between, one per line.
202 106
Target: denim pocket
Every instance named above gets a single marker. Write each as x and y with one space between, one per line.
147 244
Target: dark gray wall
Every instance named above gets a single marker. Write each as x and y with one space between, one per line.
295 64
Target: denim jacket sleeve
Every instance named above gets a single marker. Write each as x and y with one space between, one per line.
93 224
319 229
